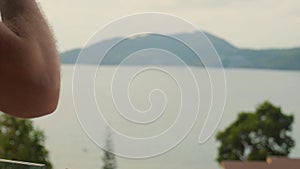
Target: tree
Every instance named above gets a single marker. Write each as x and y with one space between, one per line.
256 135
109 159
19 140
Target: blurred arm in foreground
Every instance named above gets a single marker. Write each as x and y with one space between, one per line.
29 63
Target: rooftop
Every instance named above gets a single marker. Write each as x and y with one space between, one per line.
270 163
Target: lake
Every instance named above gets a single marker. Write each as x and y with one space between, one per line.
70 147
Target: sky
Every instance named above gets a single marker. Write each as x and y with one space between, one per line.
245 23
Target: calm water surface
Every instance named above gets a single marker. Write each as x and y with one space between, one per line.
70 147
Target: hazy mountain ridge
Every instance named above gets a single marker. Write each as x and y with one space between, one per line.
231 56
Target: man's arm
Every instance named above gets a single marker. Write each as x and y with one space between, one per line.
29 63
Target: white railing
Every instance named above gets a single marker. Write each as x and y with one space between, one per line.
10 164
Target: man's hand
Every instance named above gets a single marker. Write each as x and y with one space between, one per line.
29 63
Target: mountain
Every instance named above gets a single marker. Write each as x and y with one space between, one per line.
231 56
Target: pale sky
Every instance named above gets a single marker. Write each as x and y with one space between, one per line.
245 23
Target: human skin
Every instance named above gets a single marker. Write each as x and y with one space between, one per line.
29 62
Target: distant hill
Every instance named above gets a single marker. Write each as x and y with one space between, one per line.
231 56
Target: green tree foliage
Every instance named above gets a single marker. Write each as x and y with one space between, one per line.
256 135
19 140
109 159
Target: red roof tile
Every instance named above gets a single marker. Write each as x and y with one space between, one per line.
244 165
271 163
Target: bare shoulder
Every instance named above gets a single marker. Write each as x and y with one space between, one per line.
29 63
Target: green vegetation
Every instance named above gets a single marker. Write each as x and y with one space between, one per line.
109 159
256 135
20 141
